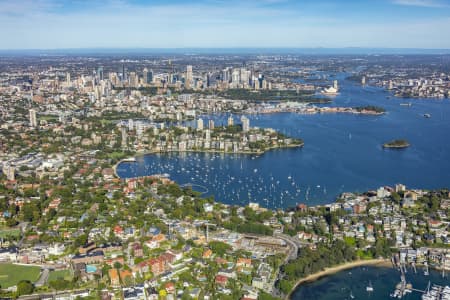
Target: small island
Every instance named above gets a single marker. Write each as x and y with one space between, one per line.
397 144
371 109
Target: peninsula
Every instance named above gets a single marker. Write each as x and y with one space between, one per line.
362 110
232 138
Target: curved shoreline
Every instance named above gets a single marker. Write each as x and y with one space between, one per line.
205 151
332 270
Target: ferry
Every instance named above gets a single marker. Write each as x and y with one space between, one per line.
164 175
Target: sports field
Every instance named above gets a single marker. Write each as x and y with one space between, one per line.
11 274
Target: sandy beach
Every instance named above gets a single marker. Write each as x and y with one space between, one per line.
332 270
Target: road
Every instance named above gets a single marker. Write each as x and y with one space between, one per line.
43 278
294 246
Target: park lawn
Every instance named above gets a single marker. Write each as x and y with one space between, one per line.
11 274
49 117
65 274
117 155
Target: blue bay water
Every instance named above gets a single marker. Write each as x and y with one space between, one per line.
342 153
354 282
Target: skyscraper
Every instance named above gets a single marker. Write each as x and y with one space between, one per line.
245 124
33 119
200 124
150 76
124 137
260 81
145 75
390 85
226 75
134 80
124 74
211 124
335 85
236 77
100 73
189 77
230 121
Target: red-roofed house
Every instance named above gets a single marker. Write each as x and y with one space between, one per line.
221 280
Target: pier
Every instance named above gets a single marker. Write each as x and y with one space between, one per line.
432 292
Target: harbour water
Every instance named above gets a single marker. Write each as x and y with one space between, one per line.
342 153
355 281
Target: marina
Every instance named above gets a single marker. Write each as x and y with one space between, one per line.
332 161
357 282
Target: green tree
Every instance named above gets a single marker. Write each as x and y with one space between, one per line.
219 248
59 284
25 287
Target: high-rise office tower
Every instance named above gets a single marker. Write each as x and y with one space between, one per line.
124 74
100 73
134 80
260 81
211 124
236 77
150 76
189 77
145 75
208 80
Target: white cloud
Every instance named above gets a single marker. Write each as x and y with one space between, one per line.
421 3
246 23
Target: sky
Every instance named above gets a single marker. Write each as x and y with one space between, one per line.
62 24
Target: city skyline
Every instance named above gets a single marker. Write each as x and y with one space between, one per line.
49 24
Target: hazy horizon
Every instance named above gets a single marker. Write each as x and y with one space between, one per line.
225 51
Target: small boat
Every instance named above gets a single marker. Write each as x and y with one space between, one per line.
406 104
427 115
129 159
369 288
351 295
